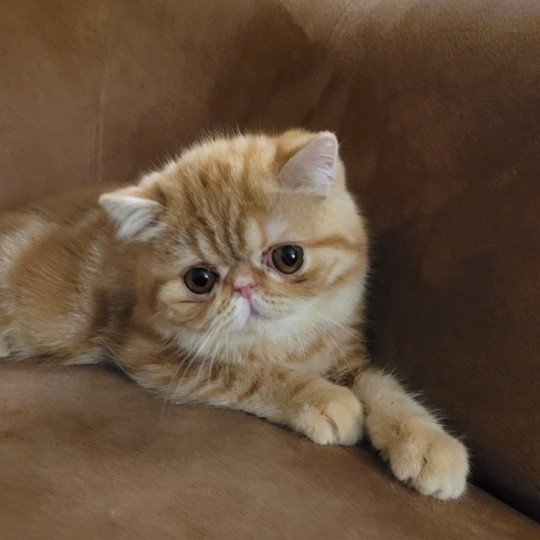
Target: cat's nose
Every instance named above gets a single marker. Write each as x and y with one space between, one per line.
244 283
246 290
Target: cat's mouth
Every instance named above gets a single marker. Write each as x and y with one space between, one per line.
250 313
255 309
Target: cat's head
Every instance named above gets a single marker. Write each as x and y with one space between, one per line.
245 240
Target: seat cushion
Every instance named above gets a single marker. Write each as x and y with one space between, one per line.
86 453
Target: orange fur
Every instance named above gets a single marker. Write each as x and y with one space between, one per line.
84 282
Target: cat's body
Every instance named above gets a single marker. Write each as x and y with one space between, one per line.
234 277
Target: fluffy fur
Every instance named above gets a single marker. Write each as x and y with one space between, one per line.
98 276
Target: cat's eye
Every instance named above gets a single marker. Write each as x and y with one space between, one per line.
200 280
287 259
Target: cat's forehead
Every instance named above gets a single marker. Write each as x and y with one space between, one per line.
217 186
229 204
243 238
233 161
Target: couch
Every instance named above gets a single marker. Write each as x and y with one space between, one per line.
436 106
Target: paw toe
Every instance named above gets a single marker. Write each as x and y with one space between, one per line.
335 421
433 463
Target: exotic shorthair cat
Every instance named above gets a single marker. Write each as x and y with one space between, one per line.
234 277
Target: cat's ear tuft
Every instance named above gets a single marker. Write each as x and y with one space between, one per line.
313 168
137 216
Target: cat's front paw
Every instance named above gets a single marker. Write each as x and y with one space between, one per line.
430 460
330 417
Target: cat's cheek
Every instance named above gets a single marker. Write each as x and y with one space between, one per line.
172 292
180 308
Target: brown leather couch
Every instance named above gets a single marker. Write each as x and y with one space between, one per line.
436 105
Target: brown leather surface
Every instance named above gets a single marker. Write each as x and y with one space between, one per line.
87 454
436 104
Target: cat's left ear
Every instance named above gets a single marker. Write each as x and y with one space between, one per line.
136 211
313 168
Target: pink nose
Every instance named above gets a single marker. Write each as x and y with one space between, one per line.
247 290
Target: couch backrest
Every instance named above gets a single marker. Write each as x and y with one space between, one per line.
436 106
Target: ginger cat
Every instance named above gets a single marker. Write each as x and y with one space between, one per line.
234 277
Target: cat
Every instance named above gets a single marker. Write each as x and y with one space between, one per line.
234 276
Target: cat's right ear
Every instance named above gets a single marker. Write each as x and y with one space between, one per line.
136 213
312 169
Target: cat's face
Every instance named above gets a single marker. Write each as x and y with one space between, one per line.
245 240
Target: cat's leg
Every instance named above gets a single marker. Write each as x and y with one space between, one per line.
418 449
323 411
